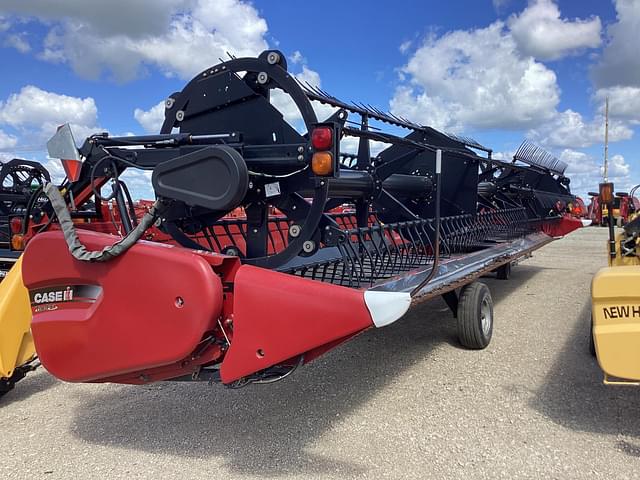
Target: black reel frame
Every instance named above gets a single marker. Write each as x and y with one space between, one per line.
234 149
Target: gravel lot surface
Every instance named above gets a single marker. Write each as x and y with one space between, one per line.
400 402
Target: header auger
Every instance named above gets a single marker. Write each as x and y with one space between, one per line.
265 246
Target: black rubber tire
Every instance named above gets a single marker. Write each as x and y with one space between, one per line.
592 343
6 385
503 272
474 303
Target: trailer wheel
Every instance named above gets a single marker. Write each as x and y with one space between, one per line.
475 316
503 272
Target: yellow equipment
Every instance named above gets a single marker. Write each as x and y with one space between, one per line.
615 314
17 352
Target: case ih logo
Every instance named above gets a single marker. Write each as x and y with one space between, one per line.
70 293
56 296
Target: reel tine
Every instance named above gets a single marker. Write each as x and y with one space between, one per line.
314 90
532 154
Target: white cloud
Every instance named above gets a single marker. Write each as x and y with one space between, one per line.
7 141
583 171
33 106
505 156
350 145
499 4
296 58
618 167
569 129
179 37
405 46
420 107
309 76
624 102
579 162
138 18
288 108
36 114
620 62
139 183
18 42
152 119
55 169
540 32
475 78
586 172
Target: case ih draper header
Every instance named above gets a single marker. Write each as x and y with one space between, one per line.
266 247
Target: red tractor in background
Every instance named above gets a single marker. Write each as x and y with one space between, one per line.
624 205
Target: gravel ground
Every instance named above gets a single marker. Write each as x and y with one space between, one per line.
400 402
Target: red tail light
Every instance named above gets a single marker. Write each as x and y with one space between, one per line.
322 138
16 225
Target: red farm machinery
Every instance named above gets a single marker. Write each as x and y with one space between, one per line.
266 247
623 207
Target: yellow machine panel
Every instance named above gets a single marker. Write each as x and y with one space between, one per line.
615 295
16 343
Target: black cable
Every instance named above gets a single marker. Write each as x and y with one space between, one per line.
127 194
48 224
30 204
124 160
92 177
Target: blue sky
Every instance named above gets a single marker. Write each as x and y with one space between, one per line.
500 71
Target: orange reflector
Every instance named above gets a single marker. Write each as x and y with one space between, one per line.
17 242
322 163
606 192
72 169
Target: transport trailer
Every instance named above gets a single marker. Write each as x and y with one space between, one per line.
269 242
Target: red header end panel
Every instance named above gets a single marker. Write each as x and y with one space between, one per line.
277 317
562 227
147 308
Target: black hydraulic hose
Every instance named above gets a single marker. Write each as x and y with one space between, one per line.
612 234
122 207
436 242
76 248
132 210
30 204
632 193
